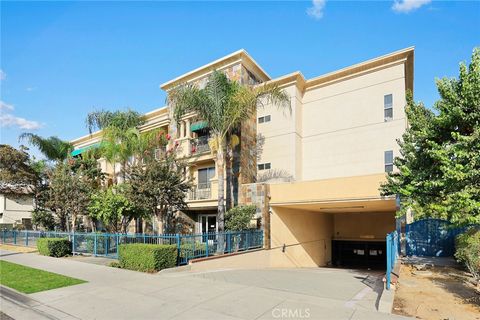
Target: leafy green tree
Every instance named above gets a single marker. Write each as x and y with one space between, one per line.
224 105
113 208
159 187
43 219
15 166
439 167
239 218
69 194
53 148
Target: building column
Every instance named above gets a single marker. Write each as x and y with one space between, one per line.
182 129
188 133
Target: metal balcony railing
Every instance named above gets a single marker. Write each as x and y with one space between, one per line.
201 191
200 145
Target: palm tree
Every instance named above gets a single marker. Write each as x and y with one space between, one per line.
123 120
120 134
122 140
224 105
53 148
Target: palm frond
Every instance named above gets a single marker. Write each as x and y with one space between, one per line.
52 147
99 120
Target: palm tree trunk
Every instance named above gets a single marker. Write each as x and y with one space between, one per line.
229 178
221 196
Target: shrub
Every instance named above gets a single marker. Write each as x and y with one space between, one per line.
54 247
147 257
468 250
239 218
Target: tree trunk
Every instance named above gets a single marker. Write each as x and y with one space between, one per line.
74 222
221 196
229 178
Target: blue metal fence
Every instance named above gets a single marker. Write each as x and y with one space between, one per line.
392 255
431 237
190 246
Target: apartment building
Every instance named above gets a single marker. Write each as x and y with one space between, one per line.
320 165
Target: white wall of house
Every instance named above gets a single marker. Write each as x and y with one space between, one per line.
14 208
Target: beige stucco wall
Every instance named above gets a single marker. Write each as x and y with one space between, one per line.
282 135
305 234
348 188
344 132
373 226
338 129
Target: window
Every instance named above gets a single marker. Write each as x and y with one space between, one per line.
389 161
204 176
264 119
388 107
264 166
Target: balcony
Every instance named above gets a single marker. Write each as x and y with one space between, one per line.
201 191
200 145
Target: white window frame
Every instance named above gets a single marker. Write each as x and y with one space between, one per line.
387 107
386 164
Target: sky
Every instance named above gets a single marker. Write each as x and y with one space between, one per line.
61 60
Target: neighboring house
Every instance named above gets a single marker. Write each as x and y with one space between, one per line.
16 205
333 150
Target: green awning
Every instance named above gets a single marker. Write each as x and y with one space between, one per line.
196 126
78 151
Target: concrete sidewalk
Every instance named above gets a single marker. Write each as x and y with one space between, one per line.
113 293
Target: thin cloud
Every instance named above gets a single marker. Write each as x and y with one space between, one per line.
5 106
30 89
316 10
406 6
7 119
3 75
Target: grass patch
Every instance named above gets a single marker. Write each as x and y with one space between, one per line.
31 280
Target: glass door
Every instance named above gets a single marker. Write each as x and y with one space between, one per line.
208 225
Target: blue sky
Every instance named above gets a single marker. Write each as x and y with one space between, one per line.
61 60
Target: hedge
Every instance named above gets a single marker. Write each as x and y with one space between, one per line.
147 257
468 250
54 247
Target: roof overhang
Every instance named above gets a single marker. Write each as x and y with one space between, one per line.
404 56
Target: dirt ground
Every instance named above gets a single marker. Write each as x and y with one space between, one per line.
17 248
436 293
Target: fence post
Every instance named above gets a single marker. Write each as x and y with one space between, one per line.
95 244
4 235
229 240
26 238
73 242
177 236
14 236
116 243
389 262
107 244
206 245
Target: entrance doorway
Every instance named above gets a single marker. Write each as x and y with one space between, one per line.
208 227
